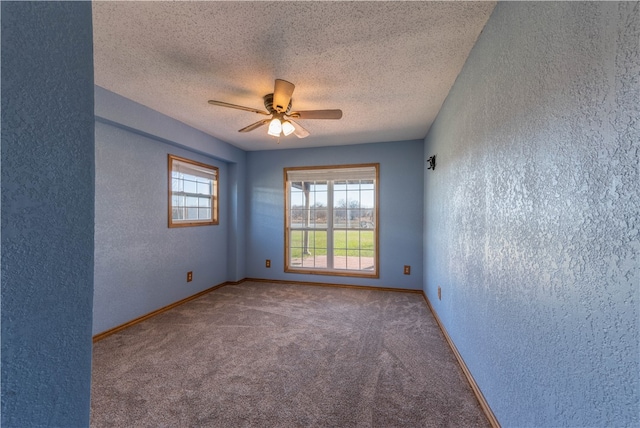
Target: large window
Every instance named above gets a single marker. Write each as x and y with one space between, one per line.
332 220
193 193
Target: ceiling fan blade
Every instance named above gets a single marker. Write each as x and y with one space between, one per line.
223 104
282 95
299 131
317 114
256 125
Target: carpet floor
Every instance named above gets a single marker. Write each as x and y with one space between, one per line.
274 355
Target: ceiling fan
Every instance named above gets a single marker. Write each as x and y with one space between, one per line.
278 105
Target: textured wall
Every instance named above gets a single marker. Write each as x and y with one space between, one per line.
47 213
140 263
401 189
532 214
123 113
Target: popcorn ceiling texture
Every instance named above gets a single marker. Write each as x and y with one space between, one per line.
47 213
388 65
531 216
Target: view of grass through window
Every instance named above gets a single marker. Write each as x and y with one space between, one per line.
331 223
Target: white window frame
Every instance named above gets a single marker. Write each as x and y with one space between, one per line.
179 168
332 174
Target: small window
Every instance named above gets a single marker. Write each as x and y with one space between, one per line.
193 193
332 220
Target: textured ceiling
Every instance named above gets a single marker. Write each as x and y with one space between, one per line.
387 65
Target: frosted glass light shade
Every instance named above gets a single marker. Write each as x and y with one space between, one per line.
287 128
275 127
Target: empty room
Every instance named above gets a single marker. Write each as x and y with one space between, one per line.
386 214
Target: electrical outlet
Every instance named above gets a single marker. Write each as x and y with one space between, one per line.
189 276
407 270
267 263
439 293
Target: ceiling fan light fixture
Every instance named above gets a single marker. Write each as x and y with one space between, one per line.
281 121
275 128
287 128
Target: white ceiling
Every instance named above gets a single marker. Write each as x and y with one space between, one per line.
388 65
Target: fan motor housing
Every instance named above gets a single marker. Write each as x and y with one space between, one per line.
268 104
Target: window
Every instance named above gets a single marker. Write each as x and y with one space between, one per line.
331 221
193 193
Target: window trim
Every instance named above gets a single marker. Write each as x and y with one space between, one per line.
287 229
215 219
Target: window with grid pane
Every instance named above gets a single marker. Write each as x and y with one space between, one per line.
331 220
193 193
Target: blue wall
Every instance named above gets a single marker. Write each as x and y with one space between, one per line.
47 213
400 222
531 216
141 264
530 225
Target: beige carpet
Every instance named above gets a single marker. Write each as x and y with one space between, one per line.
275 355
